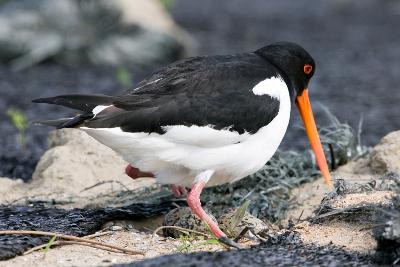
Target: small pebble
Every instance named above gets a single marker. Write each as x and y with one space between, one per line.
116 228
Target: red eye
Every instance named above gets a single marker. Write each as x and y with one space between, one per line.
307 69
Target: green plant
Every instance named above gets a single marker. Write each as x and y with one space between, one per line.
187 242
168 4
238 217
123 76
19 120
49 244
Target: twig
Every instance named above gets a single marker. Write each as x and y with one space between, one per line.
98 234
61 243
176 205
106 182
181 229
70 237
241 234
347 210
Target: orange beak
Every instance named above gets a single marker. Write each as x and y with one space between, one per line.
304 105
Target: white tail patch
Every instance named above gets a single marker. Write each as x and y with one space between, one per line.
273 87
99 109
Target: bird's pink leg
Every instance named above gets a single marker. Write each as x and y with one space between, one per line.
193 200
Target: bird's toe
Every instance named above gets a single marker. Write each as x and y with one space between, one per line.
229 242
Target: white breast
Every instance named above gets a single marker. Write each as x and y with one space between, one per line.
177 156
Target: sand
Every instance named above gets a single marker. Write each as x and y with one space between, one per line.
56 173
151 245
351 236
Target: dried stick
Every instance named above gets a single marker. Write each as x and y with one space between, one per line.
60 243
98 234
105 182
70 237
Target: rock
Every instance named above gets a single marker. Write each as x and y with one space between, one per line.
385 157
184 218
74 162
137 32
75 158
6 184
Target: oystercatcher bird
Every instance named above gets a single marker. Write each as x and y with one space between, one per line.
203 121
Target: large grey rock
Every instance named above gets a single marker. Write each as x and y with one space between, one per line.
101 32
385 156
74 162
382 158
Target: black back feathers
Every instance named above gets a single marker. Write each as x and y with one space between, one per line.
198 91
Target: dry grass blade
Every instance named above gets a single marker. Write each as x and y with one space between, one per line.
98 234
61 243
105 182
72 238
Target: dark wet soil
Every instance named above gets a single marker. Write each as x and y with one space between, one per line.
77 222
355 44
287 250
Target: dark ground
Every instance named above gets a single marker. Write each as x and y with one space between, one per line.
284 253
355 44
283 250
287 251
77 222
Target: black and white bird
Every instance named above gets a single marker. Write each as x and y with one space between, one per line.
203 121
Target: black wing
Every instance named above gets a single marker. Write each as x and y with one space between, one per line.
197 91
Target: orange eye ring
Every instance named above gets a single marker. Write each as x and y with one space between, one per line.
307 69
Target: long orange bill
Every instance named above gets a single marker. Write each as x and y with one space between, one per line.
304 105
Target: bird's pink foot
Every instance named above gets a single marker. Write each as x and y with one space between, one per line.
135 173
193 200
194 203
178 190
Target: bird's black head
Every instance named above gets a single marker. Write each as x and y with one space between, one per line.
297 68
295 63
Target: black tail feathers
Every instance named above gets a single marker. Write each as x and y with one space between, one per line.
66 122
85 103
77 101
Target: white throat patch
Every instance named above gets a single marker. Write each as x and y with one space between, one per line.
273 87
